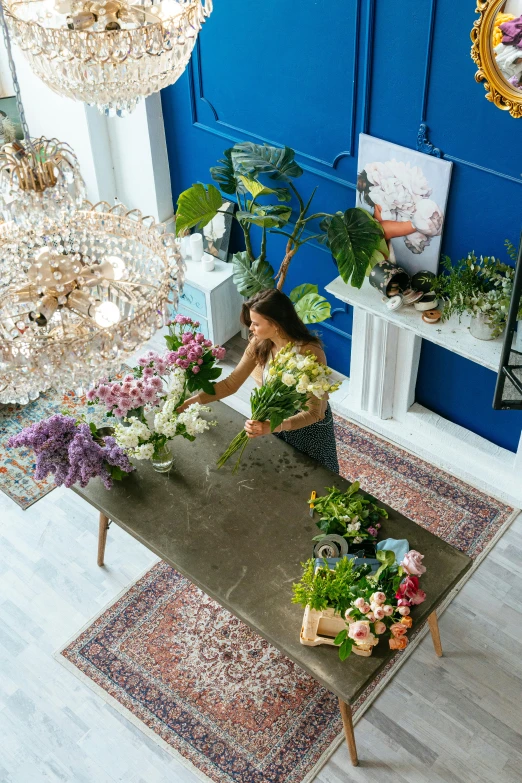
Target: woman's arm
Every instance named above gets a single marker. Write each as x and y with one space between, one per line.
393 228
229 385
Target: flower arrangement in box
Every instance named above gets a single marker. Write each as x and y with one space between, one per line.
359 607
480 286
292 378
350 514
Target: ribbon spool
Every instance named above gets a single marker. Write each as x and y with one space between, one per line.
331 546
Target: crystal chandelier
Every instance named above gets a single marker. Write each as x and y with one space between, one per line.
78 298
80 288
108 53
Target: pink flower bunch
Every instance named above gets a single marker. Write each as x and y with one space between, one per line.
145 387
409 593
191 345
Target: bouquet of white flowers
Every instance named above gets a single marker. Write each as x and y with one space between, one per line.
292 379
141 441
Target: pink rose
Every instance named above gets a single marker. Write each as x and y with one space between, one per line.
387 609
359 602
412 563
408 587
200 361
418 598
370 616
398 630
378 598
379 628
404 610
365 608
348 616
195 369
378 612
359 631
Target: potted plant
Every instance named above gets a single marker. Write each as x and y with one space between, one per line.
480 286
354 237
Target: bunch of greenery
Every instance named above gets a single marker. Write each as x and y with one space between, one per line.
350 514
323 588
354 237
474 285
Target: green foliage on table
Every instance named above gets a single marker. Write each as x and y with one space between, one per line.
477 285
324 588
339 510
354 237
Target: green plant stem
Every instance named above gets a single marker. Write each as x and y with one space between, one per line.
316 216
262 255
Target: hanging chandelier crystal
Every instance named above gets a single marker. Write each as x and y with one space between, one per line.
107 53
80 288
78 298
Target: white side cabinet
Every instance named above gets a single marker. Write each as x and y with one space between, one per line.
212 299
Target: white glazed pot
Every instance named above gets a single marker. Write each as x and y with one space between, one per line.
480 327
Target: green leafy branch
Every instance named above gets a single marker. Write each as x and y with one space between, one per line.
355 239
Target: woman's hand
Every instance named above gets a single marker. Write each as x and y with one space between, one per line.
256 428
184 405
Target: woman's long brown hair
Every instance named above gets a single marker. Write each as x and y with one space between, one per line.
277 308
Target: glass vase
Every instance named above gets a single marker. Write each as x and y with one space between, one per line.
162 459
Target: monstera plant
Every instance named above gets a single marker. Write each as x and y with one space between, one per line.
355 239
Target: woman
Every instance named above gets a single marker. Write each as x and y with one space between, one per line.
273 323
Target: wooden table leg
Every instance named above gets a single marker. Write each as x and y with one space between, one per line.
102 537
435 635
346 715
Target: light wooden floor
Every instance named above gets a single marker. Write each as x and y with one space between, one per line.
457 719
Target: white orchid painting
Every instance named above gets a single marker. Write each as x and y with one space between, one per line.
407 192
216 234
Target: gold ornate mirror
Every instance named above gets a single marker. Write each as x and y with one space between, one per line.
497 51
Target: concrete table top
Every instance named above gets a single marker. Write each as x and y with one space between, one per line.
242 538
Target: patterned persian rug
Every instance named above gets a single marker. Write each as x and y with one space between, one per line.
221 698
17 465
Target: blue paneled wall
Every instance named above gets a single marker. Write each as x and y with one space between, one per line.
313 76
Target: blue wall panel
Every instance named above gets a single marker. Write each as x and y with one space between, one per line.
313 76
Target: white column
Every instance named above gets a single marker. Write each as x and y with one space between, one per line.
124 158
383 369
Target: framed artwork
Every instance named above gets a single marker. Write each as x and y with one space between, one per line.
407 192
216 234
10 126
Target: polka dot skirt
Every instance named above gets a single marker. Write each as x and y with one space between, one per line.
317 440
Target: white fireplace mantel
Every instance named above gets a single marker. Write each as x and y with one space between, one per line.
384 363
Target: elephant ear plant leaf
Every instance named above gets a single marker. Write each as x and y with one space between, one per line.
354 237
252 277
255 159
197 206
310 306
